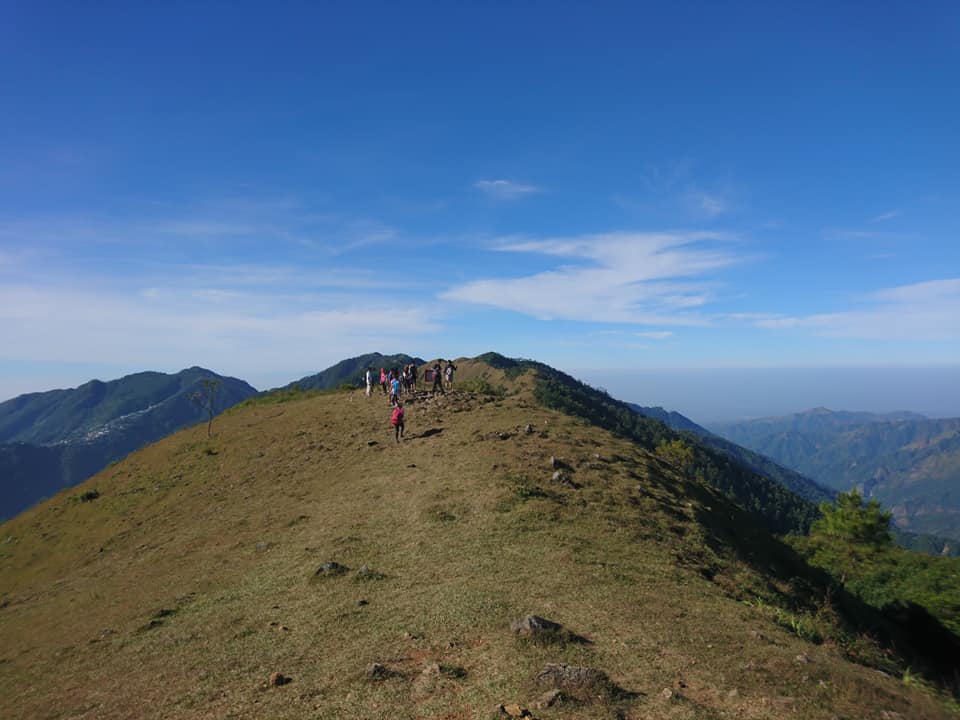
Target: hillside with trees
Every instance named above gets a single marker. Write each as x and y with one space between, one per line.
909 463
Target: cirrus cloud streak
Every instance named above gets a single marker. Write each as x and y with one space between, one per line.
927 310
622 277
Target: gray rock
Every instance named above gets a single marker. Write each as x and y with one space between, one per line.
534 625
331 568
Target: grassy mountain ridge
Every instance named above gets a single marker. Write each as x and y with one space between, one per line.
78 432
780 508
192 576
911 465
351 370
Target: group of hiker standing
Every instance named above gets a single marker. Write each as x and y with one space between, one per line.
395 381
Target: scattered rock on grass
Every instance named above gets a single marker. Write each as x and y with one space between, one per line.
330 568
366 573
512 710
278 679
533 625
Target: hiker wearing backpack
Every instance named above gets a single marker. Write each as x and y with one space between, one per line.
437 378
395 392
396 419
368 378
448 372
383 380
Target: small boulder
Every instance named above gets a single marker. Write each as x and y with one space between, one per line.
366 573
512 710
330 568
534 625
278 679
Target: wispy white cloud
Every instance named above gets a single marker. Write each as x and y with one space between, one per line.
711 205
217 225
638 278
204 228
857 234
655 334
505 189
883 217
921 311
242 333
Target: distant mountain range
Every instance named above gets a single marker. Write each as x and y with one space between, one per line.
798 483
351 370
52 440
909 462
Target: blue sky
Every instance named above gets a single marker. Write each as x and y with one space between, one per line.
264 189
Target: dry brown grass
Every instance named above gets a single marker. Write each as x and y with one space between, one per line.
469 534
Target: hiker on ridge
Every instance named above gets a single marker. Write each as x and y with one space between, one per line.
368 379
396 419
383 380
448 373
437 378
395 391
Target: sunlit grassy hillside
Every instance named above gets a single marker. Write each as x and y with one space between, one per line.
189 576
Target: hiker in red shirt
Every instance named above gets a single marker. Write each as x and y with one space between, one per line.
396 419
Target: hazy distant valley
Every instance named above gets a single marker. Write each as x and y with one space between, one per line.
908 462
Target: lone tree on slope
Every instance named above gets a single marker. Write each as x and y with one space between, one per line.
206 398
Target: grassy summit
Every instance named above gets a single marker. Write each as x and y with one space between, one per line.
191 577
